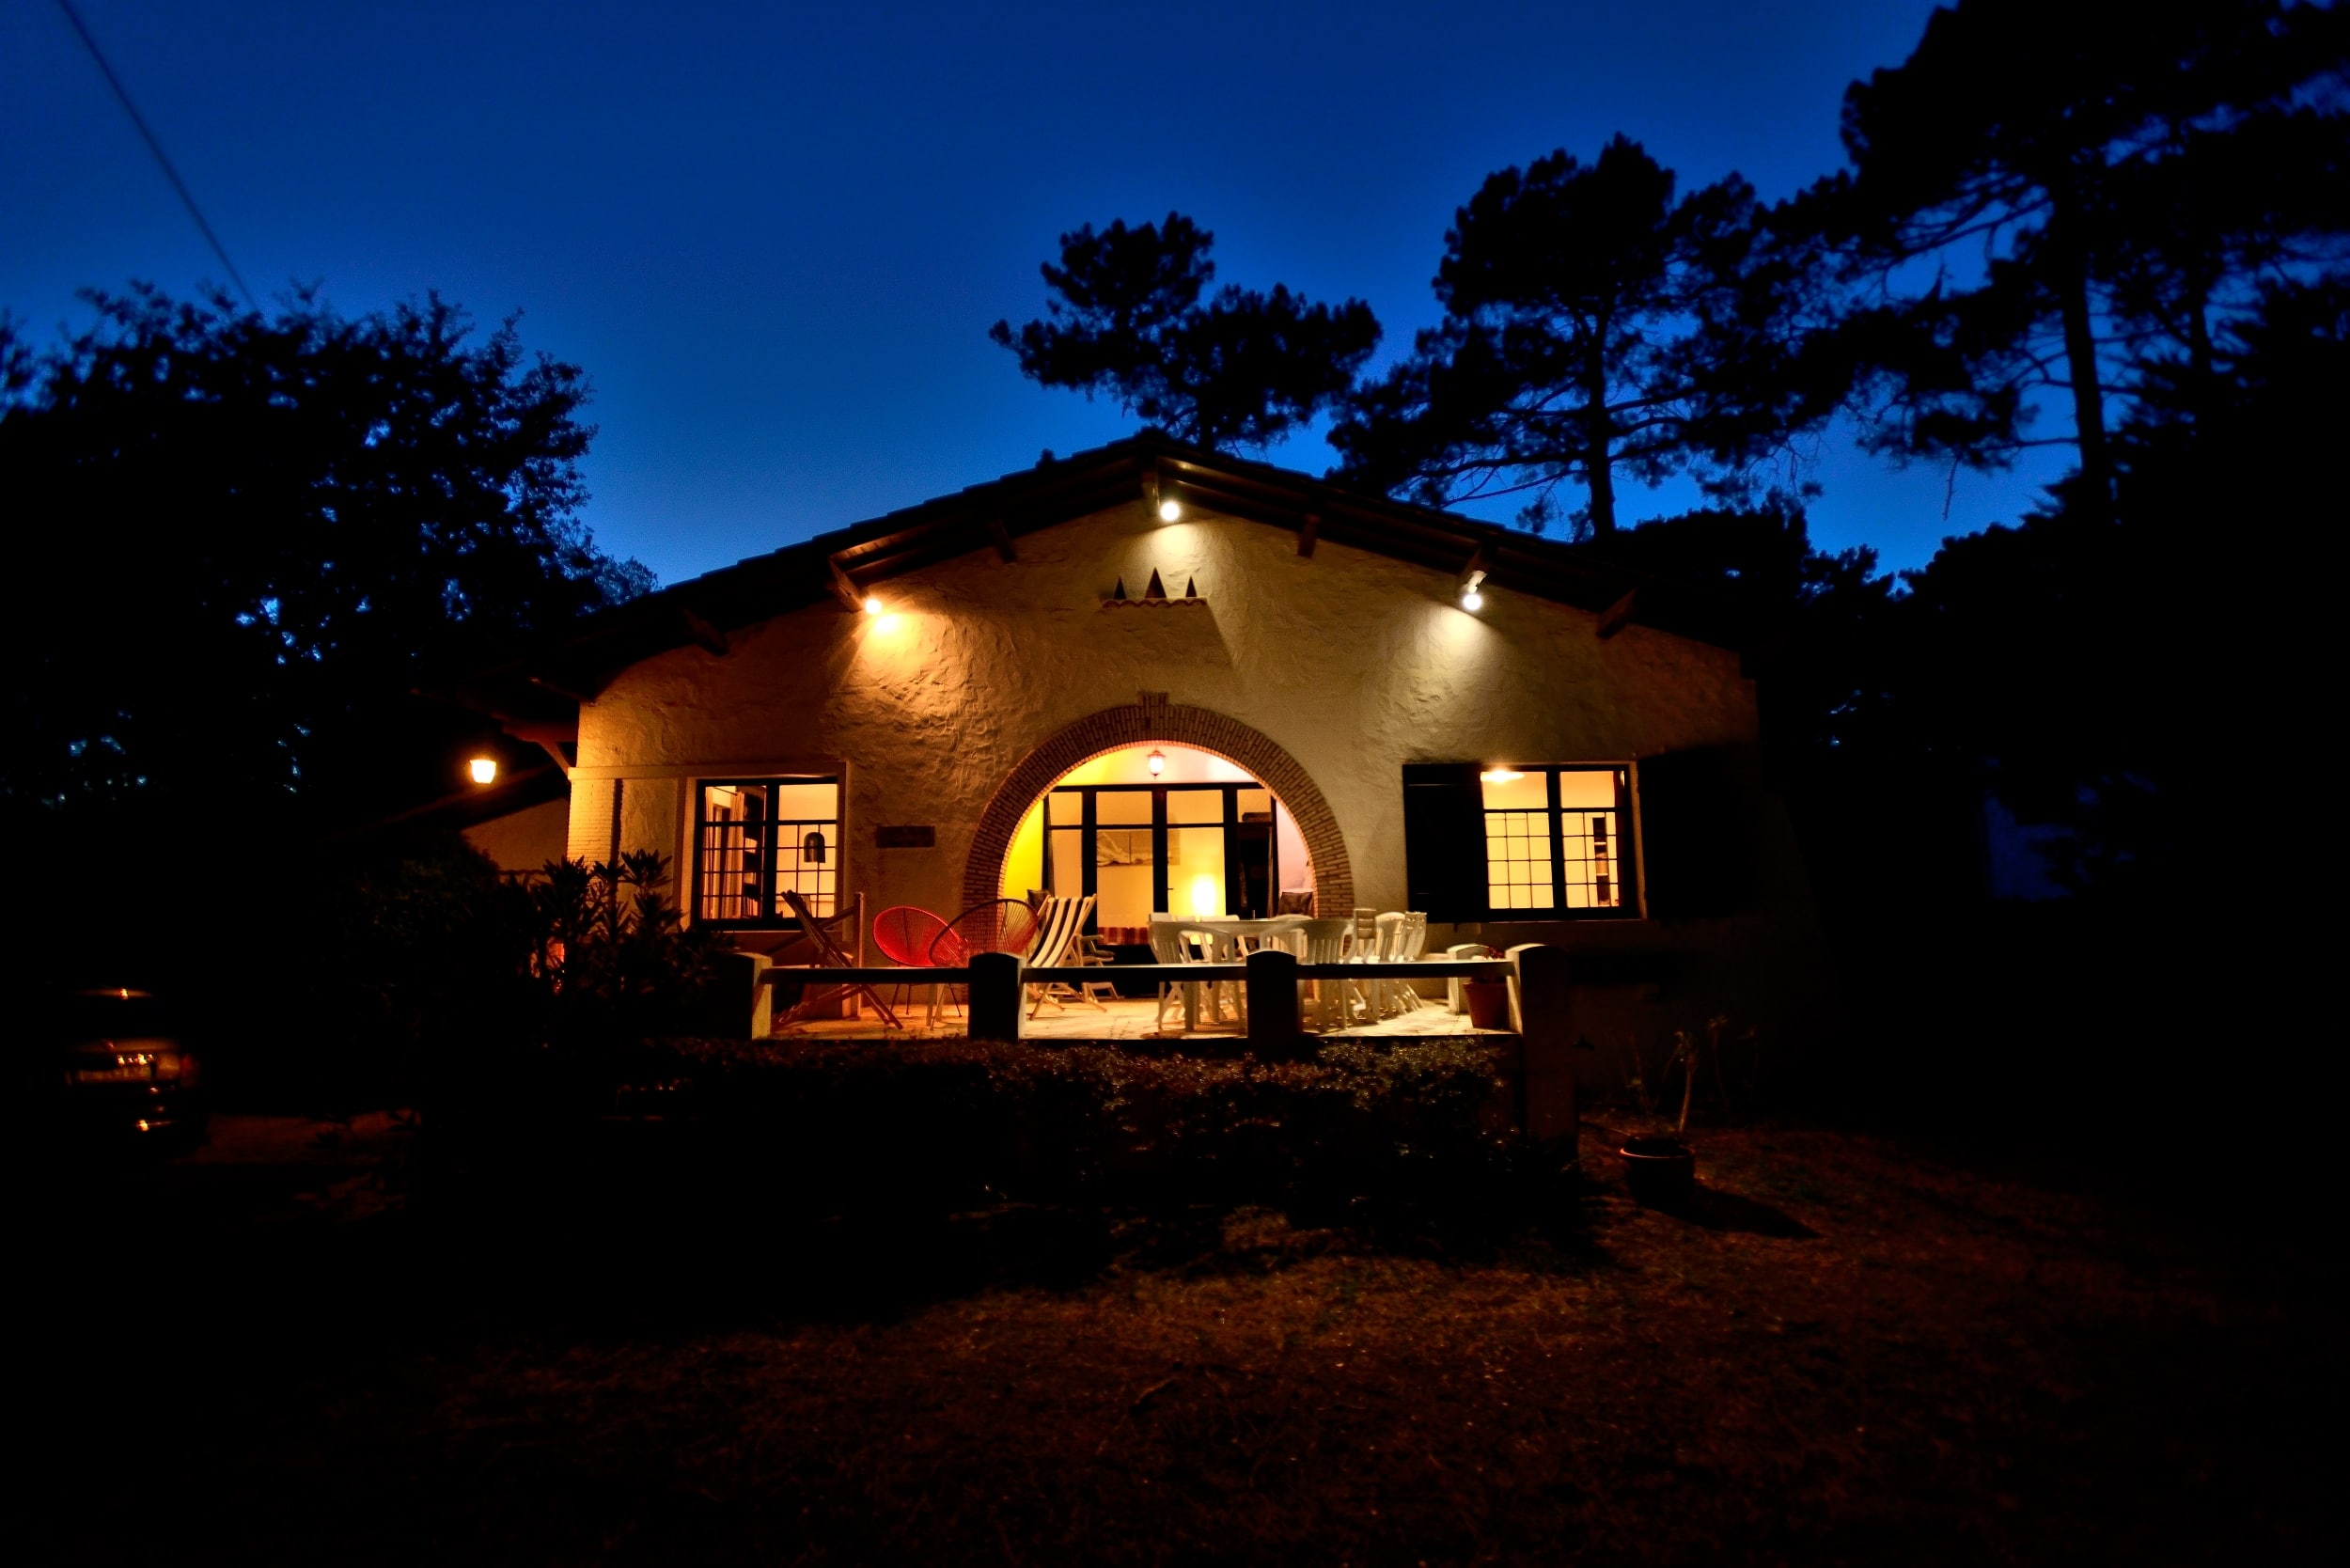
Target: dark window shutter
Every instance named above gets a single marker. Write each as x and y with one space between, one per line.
1696 834
1444 840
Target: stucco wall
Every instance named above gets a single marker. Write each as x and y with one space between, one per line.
523 840
1354 663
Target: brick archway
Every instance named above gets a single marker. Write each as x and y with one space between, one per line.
1169 724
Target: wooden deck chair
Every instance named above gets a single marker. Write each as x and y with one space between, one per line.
1059 923
828 956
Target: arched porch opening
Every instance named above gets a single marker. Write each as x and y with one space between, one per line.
1167 725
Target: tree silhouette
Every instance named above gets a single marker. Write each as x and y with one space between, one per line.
1129 314
254 536
1594 326
2080 181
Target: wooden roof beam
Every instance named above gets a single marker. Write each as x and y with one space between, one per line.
702 634
1618 616
843 585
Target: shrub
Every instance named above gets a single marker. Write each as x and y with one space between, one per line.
962 1122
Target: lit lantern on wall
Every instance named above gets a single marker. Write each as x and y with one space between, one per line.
1156 761
1170 511
812 847
483 770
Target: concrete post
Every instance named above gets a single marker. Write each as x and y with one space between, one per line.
739 1004
1274 1026
996 996
1541 1005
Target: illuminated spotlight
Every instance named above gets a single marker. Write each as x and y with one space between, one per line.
1170 511
1157 763
1472 600
873 605
484 770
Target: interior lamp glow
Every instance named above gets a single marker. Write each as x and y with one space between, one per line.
1500 775
483 770
1170 511
1203 896
873 605
1156 761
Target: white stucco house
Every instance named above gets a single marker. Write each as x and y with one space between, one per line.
1181 681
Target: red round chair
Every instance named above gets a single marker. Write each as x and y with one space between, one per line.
997 926
905 934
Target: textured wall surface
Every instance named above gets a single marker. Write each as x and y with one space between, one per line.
1350 662
523 840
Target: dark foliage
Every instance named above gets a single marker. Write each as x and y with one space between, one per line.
256 535
962 1121
2045 195
1594 326
1129 315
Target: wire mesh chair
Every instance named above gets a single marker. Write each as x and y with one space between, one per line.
997 926
905 934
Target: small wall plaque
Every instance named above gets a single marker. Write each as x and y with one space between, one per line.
907 838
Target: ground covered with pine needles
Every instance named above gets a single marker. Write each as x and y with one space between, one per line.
1849 1349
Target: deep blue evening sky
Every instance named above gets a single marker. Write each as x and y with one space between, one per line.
775 235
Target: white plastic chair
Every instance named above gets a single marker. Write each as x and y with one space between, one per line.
1324 942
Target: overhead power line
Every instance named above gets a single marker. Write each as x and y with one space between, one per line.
186 197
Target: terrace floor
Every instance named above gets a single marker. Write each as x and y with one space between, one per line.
1122 1018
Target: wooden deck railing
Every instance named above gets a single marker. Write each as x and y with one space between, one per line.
1541 1003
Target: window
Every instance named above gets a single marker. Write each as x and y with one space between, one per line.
1550 841
755 838
1555 841
1146 849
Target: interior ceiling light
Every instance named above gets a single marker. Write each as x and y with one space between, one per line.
873 605
483 770
1170 511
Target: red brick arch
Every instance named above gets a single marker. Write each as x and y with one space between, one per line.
1161 724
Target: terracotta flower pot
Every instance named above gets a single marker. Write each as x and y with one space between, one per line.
1659 1169
1488 1003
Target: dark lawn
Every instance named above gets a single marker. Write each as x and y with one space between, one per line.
1849 1351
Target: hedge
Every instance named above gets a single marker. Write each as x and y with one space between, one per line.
922 1122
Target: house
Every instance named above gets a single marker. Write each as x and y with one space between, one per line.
1186 683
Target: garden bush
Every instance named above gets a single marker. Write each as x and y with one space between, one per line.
959 1122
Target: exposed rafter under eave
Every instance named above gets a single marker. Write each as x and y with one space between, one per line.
847 565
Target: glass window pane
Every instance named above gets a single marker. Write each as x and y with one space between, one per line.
1124 807
808 802
1508 789
1256 806
1194 871
1195 805
1123 892
1587 788
1067 807
1068 870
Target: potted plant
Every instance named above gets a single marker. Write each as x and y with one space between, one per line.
1659 1167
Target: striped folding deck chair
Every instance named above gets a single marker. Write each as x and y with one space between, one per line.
1058 925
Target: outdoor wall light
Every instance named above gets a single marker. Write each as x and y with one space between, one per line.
872 603
1156 762
1472 600
483 770
1170 511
